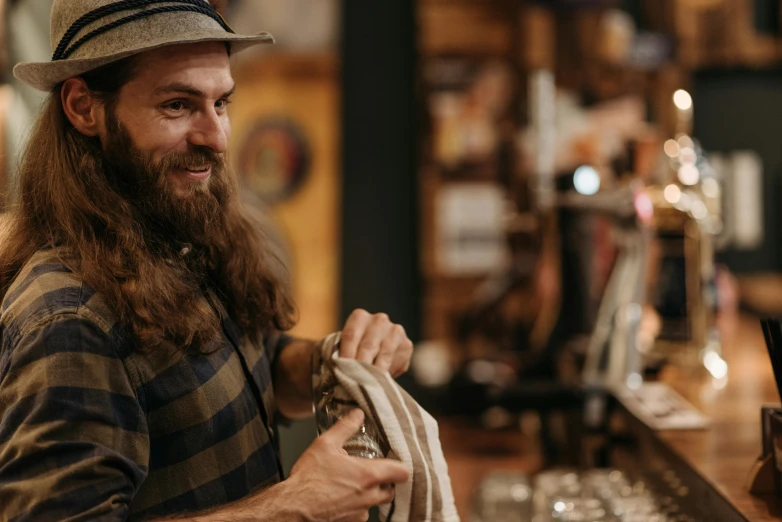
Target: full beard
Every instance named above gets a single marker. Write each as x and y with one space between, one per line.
169 220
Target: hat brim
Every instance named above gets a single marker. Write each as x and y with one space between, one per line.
45 76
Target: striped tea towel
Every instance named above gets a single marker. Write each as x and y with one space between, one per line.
410 433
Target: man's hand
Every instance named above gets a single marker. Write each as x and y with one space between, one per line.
374 339
325 485
332 486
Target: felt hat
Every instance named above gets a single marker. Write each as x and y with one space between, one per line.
87 34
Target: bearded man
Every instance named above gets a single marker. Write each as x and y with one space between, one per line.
143 361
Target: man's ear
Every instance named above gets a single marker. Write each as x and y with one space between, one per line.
82 108
219 6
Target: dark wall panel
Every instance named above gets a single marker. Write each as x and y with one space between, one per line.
380 242
742 110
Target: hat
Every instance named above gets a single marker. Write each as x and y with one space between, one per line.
87 34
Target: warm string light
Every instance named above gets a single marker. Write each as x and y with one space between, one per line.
672 194
682 100
671 148
689 174
716 365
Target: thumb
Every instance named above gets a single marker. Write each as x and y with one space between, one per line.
344 429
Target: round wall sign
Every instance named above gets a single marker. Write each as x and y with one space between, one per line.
274 159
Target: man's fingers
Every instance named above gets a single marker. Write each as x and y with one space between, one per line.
353 332
385 357
382 494
344 429
354 516
377 333
391 355
390 471
374 339
402 356
388 347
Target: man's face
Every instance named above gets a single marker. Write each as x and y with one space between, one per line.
175 112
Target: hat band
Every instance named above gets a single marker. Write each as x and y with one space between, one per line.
65 48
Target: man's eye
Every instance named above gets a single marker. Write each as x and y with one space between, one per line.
176 106
222 104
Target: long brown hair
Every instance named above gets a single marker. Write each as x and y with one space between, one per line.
65 199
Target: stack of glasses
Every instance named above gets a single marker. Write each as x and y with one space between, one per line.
599 496
567 496
503 496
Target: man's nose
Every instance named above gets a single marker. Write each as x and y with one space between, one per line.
211 130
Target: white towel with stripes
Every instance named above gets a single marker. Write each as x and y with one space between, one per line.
409 431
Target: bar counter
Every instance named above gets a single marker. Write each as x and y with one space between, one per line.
719 458
724 454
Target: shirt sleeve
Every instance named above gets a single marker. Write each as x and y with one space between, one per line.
73 436
273 343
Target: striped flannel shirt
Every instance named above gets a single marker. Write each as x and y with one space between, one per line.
93 429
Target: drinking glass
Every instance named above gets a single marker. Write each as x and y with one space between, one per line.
331 403
503 496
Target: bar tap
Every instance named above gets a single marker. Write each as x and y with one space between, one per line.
688 220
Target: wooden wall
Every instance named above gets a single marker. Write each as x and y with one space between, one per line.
303 89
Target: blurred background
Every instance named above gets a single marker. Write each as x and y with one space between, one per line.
552 196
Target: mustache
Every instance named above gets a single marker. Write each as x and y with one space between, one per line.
199 157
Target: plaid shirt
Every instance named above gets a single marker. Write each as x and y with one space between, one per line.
90 428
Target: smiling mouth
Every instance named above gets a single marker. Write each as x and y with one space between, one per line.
194 172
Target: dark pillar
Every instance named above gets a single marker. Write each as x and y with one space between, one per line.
380 203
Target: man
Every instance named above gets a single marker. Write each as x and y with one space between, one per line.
142 361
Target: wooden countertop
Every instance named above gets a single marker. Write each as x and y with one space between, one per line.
724 454
721 455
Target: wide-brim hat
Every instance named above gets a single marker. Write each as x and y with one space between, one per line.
87 34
